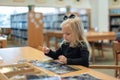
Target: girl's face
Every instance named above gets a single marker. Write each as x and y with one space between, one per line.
67 33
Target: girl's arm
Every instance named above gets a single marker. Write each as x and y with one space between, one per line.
55 54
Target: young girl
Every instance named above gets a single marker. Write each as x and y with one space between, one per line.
74 49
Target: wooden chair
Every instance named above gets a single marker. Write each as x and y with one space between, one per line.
3 43
0 44
116 53
97 45
116 66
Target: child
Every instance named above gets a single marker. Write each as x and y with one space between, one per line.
74 49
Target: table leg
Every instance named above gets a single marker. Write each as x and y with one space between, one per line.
47 40
3 43
93 54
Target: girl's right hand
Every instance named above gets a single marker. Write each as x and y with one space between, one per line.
45 50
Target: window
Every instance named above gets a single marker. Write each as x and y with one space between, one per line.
6 11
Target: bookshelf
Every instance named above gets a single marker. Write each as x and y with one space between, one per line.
85 20
27 29
53 21
19 28
114 20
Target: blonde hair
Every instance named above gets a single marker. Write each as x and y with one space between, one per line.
76 25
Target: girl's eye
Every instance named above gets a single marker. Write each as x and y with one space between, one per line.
67 33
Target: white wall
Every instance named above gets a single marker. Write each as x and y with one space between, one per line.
94 13
103 16
99 15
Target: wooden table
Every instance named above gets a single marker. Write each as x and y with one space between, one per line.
12 55
95 36
91 37
3 42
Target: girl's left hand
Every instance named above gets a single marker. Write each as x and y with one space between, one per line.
62 59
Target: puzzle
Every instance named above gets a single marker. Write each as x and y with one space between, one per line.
55 67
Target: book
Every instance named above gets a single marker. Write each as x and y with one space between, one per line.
84 76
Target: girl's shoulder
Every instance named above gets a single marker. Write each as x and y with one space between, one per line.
82 44
64 44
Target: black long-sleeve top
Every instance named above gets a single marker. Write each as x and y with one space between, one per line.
78 55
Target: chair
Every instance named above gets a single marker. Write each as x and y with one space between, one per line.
99 46
0 44
116 66
116 53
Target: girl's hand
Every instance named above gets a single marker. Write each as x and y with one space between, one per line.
45 50
62 59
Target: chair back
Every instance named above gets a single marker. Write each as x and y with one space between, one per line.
116 53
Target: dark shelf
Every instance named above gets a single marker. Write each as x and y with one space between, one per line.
114 20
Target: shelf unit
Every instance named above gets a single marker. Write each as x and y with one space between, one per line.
114 20
19 28
27 29
85 20
53 21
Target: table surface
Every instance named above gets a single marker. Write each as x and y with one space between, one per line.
13 55
91 36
